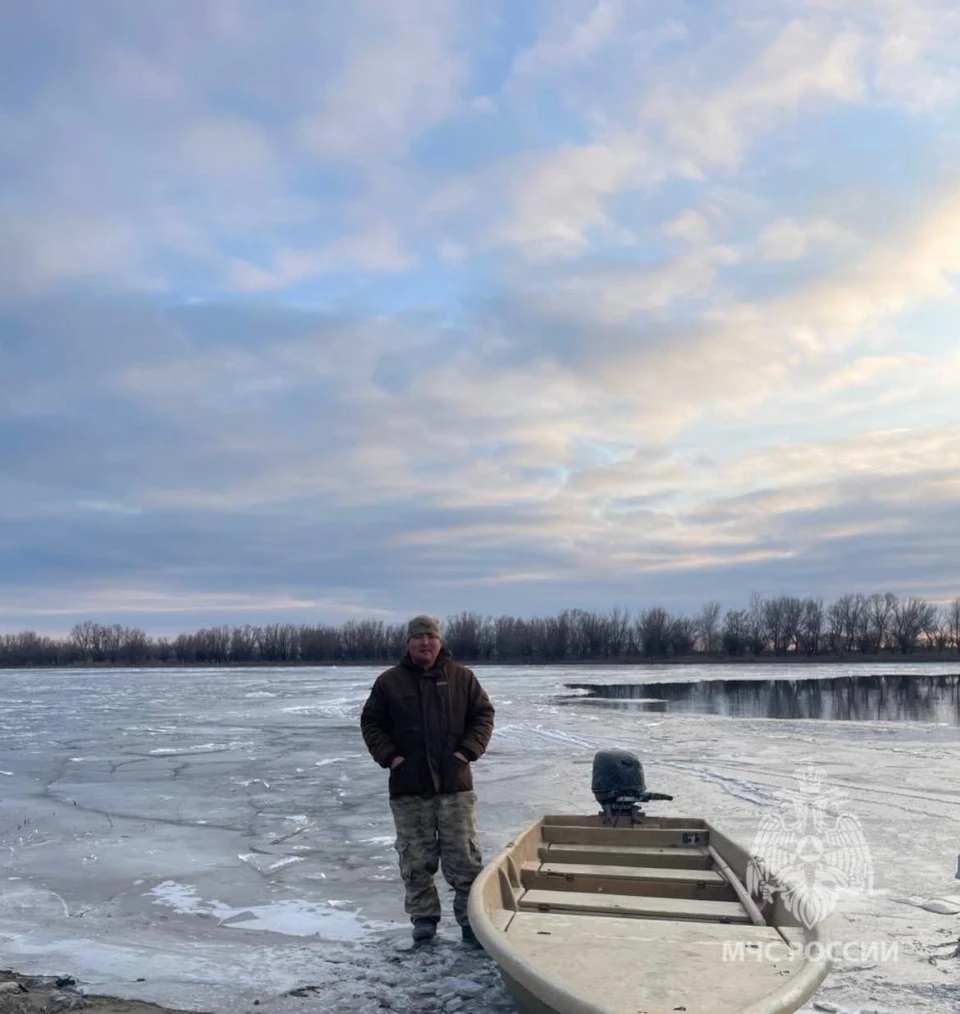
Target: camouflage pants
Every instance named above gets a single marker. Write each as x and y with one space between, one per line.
432 833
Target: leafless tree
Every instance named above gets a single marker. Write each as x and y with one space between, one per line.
879 612
243 643
185 648
618 632
162 651
953 622
112 641
135 647
279 642
470 637
757 640
588 633
811 627
843 622
653 632
27 648
511 639
911 617
768 615
938 634
835 621
324 643
779 620
558 634
708 628
211 644
366 638
736 631
85 636
682 636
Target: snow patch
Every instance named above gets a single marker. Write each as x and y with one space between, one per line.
191 749
326 761
292 917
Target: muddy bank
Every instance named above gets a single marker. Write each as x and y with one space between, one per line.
441 977
42 994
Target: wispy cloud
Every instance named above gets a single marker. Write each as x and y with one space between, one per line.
401 73
378 249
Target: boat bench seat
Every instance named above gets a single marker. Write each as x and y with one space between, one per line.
662 881
696 857
639 835
601 870
645 906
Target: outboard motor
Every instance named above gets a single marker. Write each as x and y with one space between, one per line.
619 787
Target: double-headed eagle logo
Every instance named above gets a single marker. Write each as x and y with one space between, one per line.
809 850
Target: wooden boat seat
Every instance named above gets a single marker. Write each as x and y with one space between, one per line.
593 870
644 906
663 881
665 837
626 855
572 948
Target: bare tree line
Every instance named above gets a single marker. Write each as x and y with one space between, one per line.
780 627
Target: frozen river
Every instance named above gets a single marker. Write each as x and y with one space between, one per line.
137 809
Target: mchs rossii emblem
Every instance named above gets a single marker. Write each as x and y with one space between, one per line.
810 850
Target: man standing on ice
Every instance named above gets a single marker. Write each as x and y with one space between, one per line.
426 720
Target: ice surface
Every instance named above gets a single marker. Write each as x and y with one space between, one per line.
137 810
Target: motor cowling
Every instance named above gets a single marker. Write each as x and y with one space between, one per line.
618 784
617 774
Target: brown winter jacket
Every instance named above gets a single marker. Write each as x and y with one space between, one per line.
425 716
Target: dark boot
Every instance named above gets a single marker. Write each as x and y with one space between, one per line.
424 929
469 937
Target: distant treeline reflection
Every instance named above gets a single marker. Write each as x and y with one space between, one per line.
781 627
845 698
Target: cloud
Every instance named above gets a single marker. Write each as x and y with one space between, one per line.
915 65
608 383
376 249
692 226
931 454
556 199
868 370
39 248
559 196
618 294
788 240
572 41
801 66
225 147
155 153
57 609
401 74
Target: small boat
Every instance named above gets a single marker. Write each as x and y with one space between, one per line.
623 913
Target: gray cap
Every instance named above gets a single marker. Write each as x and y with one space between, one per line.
423 624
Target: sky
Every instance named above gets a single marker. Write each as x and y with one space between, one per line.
318 311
